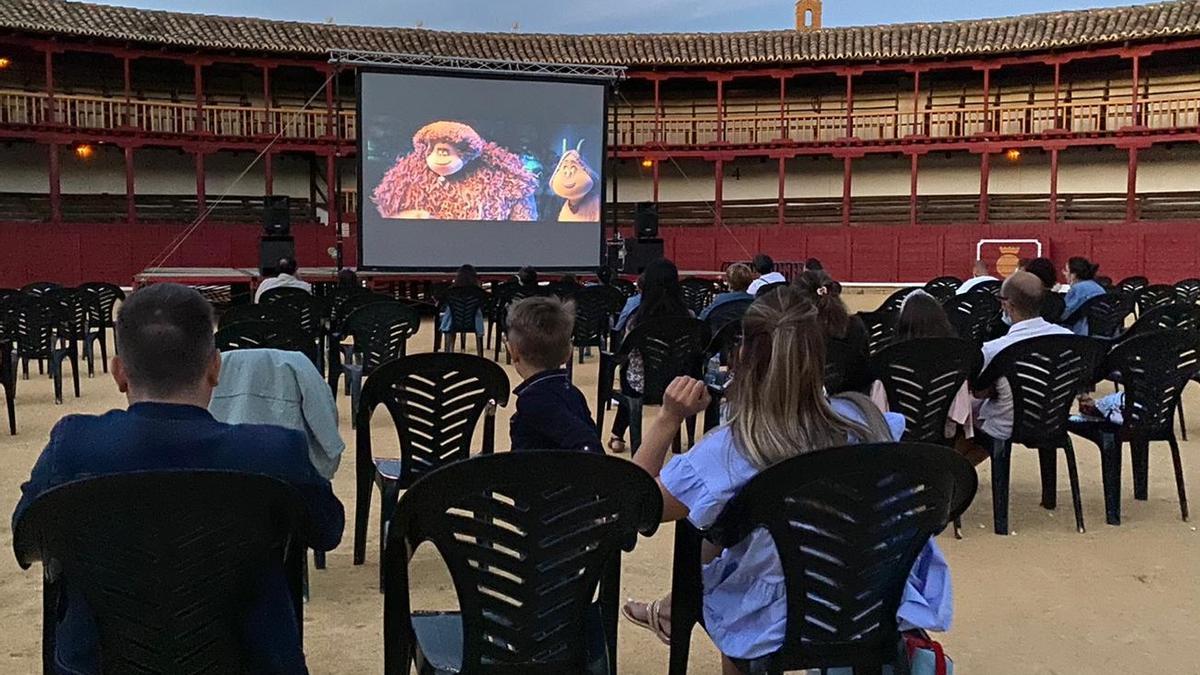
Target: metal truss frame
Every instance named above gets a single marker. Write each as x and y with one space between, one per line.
465 64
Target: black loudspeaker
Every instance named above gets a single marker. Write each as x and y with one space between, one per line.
271 249
639 252
645 220
277 219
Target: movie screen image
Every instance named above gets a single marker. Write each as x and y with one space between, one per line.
498 173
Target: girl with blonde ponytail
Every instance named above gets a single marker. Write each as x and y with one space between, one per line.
778 410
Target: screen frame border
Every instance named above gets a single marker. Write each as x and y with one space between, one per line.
361 158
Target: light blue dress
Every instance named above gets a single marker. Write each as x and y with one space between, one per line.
1081 292
745 599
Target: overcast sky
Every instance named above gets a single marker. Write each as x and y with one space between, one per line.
618 16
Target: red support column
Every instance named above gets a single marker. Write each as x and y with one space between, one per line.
329 114
51 109
987 100
55 185
654 181
718 198
198 78
1135 116
917 127
200 194
846 186
1054 186
130 202
127 116
849 105
330 181
268 126
783 125
721 111
1131 213
782 189
985 171
912 190
269 174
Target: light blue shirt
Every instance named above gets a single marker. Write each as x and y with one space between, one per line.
745 599
1081 292
722 299
631 306
271 386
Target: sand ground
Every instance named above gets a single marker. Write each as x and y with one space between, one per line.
1044 600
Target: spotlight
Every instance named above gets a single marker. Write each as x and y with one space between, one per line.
5 62
84 151
1013 155
647 164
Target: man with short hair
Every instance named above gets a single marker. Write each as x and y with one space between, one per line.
285 278
1021 301
979 274
766 274
167 366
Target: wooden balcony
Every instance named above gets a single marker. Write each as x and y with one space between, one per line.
32 207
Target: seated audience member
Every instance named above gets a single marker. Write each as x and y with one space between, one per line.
1021 301
840 327
551 413
979 274
285 278
778 410
661 296
284 388
922 316
738 277
1081 275
167 366
1052 301
766 274
347 279
466 277
631 306
814 265
527 277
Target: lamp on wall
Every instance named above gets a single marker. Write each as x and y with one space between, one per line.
84 151
5 62
1013 155
647 164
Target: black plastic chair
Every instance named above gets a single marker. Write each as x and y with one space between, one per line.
38 288
1105 314
8 377
896 299
499 297
975 315
273 294
267 335
991 286
168 562
594 309
726 312
107 297
341 306
528 539
1153 297
881 329
435 401
1131 285
1187 291
563 290
272 313
697 293
1173 315
1045 374
943 288
725 341
841 366
669 347
463 303
310 311
380 332
627 287
921 378
848 524
37 327
770 288
1154 368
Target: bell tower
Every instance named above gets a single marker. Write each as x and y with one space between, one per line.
808 15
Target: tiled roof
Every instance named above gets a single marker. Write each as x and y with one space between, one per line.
1037 32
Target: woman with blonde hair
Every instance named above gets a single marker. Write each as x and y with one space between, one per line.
778 409
738 277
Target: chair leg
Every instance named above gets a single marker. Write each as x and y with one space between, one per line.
635 424
319 559
74 357
437 340
1048 461
364 481
1182 423
462 342
1001 465
1110 471
1178 461
103 340
1140 461
1076 500
56 375
448 341
389 494
479 345
958 528
355 381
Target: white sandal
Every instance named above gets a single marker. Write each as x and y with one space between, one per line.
654 625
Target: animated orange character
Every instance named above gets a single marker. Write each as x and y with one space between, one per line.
453 174
574 181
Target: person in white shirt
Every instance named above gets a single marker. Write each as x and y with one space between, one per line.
286 278
1021 300
979 274
766 274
